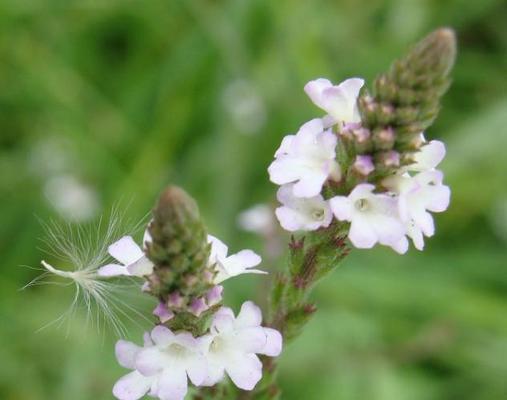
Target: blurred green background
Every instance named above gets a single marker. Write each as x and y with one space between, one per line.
102 102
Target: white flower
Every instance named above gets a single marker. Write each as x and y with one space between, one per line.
132 258
307 158
161 367
339 101
429 156
417 195
373 217
234 343
233 265
307 214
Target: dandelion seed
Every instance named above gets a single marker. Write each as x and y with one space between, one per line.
85 249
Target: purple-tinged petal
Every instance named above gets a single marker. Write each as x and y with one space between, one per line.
126 353
162 335
163 313
132 386
274 342
214 295
244 370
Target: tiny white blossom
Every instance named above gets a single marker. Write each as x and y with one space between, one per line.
233 344
296 213
132 258
374 218
233 265
161 367
339 101
307 159
416 196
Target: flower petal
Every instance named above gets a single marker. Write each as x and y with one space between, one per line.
341 207
274 342
150 361
113 270
218 248
361 234
172 384
197 369
250 315
141 267
245 370
126 353
251 340
245 258
132 386
162 335
125 250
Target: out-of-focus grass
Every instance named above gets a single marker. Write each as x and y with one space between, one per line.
125 97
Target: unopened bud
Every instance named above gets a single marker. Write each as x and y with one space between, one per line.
389 159
383 139
363 165
362 140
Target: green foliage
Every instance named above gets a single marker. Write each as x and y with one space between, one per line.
130 96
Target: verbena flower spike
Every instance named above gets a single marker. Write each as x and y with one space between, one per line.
360 175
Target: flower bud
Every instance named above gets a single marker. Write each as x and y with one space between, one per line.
383 139
363 165
388 159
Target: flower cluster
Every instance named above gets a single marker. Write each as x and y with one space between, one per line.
321 175
167 360
162 366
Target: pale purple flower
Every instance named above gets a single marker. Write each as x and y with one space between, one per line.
339 101
416 196
161 367
306 214
373 218
228 266
133 261
306 159
233 344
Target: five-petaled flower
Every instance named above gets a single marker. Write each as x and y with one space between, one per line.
373 218
233 344
307 159
162 366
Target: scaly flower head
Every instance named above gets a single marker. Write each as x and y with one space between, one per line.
306 214
307 158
